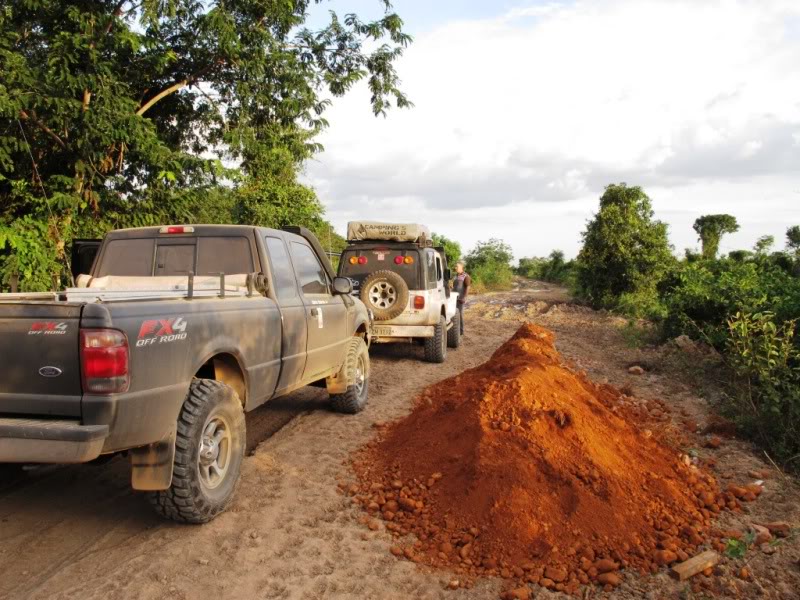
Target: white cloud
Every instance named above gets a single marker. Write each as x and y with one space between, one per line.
521 120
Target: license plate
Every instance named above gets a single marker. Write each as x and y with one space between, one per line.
382 331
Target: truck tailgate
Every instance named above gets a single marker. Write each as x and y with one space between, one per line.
39 359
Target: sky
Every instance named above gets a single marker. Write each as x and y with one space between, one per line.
524 112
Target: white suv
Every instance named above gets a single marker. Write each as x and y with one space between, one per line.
405 283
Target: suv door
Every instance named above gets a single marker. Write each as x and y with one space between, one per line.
294 333
326 314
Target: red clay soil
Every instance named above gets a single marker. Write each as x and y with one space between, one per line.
525 469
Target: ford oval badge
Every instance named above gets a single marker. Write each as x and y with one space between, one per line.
50 371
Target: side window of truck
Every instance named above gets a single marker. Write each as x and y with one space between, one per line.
310 273
285 284
439 273
430 268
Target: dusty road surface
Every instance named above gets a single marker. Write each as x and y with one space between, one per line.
79 532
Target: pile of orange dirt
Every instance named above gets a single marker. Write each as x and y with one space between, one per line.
525 469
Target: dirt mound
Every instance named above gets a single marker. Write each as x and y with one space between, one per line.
522 468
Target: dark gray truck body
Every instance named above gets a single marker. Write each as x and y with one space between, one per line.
262 344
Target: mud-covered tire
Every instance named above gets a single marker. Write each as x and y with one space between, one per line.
202 486
356 373
385 293
436 346
454 333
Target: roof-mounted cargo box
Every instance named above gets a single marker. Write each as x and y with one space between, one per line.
358 231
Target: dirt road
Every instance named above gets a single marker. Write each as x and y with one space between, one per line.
79 532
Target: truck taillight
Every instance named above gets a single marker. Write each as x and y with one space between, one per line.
419 302
104 361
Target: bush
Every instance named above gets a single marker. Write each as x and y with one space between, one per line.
553 269
699 297
489 265
765 401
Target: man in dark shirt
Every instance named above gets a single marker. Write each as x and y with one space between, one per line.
461 285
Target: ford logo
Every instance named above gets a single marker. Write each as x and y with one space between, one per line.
50 371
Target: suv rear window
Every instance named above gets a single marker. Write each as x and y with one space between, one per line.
203 255
379 258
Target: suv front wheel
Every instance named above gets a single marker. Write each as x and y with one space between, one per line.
436 346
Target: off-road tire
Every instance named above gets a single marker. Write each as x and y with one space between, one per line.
392 282
356 372
436 346
454 333
189 499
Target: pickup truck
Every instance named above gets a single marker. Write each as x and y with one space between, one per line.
404 282
162 347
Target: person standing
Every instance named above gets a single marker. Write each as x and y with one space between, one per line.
461 285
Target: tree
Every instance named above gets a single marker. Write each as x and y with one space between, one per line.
711 228
625 251
793 239
124 113
452 249
764 244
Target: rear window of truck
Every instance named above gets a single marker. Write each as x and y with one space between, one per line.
145 257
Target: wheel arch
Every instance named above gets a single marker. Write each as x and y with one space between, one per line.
226 368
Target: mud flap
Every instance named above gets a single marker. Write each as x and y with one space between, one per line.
151 466
337 384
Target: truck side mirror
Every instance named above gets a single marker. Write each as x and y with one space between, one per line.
342 286
447 275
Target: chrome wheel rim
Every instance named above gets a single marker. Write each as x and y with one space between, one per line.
214 456
361 375
382 294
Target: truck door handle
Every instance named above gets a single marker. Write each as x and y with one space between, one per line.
314 312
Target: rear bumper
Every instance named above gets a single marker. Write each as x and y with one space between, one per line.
50 441
383 333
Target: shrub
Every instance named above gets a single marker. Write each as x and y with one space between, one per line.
765 400
699 297
489 265
553 269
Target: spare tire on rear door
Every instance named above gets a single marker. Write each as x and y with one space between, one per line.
385 294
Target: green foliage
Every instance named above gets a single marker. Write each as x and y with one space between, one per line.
700 297
120 113
452 249
489 265
625 251
711 228
764 244
765 358
793 239
554 268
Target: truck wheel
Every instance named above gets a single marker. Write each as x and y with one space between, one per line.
436 346
454 333
356 369
385 293
209 448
